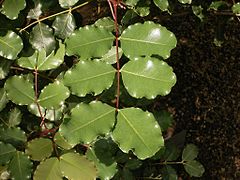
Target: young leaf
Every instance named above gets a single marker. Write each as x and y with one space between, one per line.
67 3
64 25
147 39
48 170
236 8
89 41
42 37
60 141
106 23
190 152
89 77
194 168
53 95
169 173
110 57
4 67
185 1
11 8
157 76
138 131
20 166
39 149
6 153
19 90
162 4
3 98
87 121
74 166
15 117
10 45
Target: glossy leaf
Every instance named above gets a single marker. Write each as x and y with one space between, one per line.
67 3
106 23
169 173
110 57
148 78
185 1
89 77
3 98
6 153
4 67
131 2
143 8
162 4
41 37
236 8
15 117
20 166
60 141
19 90
74 166
64 25
10 45
87 122
194 168
147 39
138 131
190 152
48 170
89 41
11 8
53 95
36 11
39 149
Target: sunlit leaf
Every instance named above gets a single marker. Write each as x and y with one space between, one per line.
36 11
185 1
89 77
236 8
138 131
190 152
11 8
148 78
3 98
60 141
67 3
4 67
87 121
10 45
74 166
106 23
194 168
147 39
131 2
6 153
19 90
197 10
15 117
110 57
48 170
143 8
89 41
169 173
162 4
64 25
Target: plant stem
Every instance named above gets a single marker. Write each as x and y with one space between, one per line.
169 163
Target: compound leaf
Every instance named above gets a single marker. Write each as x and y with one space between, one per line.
87 121
15 117
53 95
6 153
190 152
10 45
20 166
194 168
3 98
39 149
138 131
11 8
147 39
89 77
48 170
106 23
89 41
148 78
67 3
162 4
64 25
19 90
74 166
110 57
60 141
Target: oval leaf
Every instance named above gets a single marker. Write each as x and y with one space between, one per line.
10 45
3 98
162 4
19 90
60 141
75 166
194 168
236 8
89 77
106 23
53 95
36 11
147 39
138 131
110 57
190 152
11 8
89 41
88 121
39 149
48 170
6 153
15 117
4 67
67 3
169 173
148 78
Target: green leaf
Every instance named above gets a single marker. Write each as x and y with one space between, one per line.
138 131
20 166
89 41
19 90
3 99
236 8
190 152
143 8
106 23
74 166
11 8
15 117
60 141
169 173
10 45
39 149
41 37
216 5
185 1
164 119
197 10
162 4
6 153
87 122
194 168
14 136
172 152
147 39
64 25
133 164
48 170
131 2
110 57
53 95
157 76
4 67
36 11
89 77
67 3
